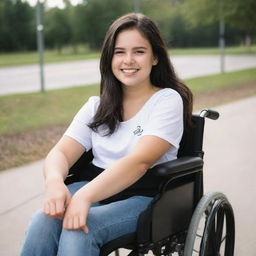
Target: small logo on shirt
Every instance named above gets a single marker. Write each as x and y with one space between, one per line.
138 131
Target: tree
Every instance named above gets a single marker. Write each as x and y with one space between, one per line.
236 13
99 15
24 25
57 28
162 13
242 15
16 26
79 23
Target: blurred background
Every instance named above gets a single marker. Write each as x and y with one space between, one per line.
79 26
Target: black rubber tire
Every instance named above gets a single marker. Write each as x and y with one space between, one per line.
211 206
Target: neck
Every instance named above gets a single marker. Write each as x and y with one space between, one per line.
137 92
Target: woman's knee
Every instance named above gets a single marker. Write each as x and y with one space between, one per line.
77 242
43 226
42 236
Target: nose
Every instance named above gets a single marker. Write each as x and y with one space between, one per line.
128 58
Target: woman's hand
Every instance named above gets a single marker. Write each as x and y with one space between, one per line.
76 213
57 198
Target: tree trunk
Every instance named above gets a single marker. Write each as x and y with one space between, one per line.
74 48
248 41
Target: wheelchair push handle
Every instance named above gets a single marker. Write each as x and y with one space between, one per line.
212 114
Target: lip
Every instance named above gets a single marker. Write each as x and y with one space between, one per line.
129 71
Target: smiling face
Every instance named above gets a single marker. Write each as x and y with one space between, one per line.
133 59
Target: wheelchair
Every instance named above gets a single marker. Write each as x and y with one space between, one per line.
180 220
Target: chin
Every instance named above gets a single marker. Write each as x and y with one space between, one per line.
129 85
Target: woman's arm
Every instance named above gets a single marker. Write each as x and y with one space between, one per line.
57 163
127 170
63 155
114 179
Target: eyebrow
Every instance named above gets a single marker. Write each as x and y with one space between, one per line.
134 48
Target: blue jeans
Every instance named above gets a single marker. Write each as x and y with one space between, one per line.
45 235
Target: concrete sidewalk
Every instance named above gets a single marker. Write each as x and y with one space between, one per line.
230 165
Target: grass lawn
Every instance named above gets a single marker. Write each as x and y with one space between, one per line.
26 58
213 50
50 56
31 111
221 81
26 112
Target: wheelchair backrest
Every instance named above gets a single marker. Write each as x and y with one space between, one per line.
192 140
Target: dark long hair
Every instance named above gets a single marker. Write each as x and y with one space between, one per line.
162 75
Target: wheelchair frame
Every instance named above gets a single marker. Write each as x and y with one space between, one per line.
180 219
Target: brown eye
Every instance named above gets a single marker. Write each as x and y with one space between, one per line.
139 52
118 52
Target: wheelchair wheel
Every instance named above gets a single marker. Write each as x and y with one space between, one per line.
212 228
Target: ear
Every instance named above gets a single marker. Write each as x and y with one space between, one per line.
155 61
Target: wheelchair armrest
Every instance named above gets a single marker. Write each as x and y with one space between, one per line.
183 164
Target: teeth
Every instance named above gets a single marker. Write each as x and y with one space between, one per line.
129 70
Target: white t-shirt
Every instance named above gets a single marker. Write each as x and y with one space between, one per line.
161 116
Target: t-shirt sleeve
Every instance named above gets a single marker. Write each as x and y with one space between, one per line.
166 119
78 129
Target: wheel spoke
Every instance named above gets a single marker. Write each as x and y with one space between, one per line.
196 251
223 239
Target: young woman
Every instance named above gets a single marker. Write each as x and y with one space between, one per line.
137 122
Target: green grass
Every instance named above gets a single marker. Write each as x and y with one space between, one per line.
26 58
25 112
213 50
218 81
50 56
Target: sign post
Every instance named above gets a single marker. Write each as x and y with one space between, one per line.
40 42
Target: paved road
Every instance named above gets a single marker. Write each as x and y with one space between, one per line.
229 167
60 75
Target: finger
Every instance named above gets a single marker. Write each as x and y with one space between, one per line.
52 209
66 222
59 207
76 224
69 223
67 201
85 229
83 224
46 209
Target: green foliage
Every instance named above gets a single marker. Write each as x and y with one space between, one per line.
16 26
237 13
57 28
183 23
198 12
99 15
242 14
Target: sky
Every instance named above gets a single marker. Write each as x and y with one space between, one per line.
55 3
